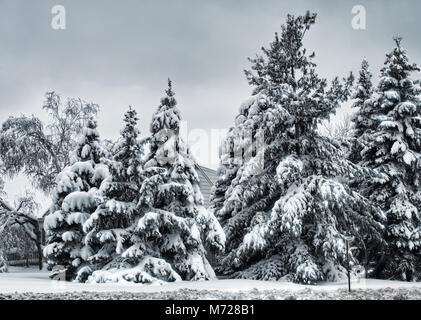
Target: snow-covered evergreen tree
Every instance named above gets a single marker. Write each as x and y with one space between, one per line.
364 118
394 151
74 201
169 236
120 194
288 209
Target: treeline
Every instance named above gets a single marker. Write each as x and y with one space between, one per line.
132 210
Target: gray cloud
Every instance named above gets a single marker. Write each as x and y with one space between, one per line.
118 53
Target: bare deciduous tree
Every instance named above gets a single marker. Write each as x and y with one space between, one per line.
42 152
340 132
22 217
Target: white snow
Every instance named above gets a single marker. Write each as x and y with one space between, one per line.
398 146
68 236
85 151
408 157
392 95
51 220
77 218
23 280
79 200
100 173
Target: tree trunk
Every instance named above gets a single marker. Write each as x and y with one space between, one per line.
297 138
39 249
380 265
39 246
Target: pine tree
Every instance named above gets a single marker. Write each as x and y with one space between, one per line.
120 194
288 208
74 200
393 150
172 227
363 120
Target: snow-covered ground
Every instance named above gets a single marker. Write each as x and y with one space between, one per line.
22 283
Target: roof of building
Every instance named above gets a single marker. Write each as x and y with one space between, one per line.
207 178
210 173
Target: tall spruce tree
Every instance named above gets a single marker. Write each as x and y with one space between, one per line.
74 200
119 196
288 209
394 151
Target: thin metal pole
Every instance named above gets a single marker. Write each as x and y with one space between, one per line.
347 258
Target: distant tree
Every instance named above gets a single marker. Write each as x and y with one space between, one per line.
21 219
41 151
15 240
3 262
341 132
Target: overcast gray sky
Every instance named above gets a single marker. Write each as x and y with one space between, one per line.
117 53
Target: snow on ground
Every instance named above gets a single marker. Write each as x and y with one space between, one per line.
22 283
